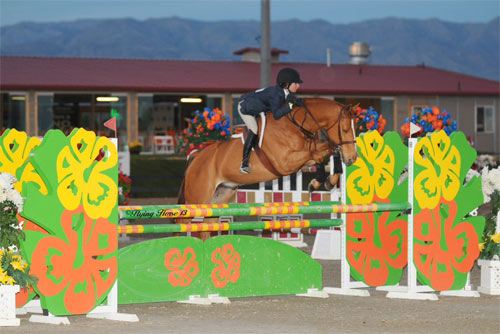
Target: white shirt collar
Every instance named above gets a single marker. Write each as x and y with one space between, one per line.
286 92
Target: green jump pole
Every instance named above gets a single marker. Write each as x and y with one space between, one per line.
216 210
209 227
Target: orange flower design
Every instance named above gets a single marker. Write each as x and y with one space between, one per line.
184 267
72 266
376 246
442 247
228 269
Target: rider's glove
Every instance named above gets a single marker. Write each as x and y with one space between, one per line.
298 102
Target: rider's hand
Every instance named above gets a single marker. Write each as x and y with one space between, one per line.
298 102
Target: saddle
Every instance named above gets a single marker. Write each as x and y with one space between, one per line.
264 159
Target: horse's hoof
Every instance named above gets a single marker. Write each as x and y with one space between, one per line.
313 185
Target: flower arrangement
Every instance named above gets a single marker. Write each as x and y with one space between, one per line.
124 187
490 245
367 120
429 120
484 160
135 147
204 128
13 269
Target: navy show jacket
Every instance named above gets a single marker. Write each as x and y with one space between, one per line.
266 99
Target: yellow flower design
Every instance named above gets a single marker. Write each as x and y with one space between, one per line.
481 246
441 174
15 151
374 175
495 237
80 174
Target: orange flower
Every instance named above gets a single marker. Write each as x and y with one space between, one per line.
216 118
228 268
376 246
444 247
72 266
184 267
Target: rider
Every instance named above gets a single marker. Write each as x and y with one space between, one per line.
264 100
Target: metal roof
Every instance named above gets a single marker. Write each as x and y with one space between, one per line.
146 75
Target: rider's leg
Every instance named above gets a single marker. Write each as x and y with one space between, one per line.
247 150
250 141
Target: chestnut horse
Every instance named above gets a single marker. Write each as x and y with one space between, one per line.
305 136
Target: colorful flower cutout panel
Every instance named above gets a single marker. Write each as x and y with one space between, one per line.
81 178
444 250
73 249
446 238
373 172
377 242
440 175
15 149
377 248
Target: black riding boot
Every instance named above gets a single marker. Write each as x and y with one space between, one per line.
247 149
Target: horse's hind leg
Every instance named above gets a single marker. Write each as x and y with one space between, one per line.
222 194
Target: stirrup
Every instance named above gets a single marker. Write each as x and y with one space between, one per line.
245 169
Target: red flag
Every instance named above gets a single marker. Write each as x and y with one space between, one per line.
111 124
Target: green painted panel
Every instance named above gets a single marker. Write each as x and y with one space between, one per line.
231 266
377 241
160 270
73 243
446 239
241 266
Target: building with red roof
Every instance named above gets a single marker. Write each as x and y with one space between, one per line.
39 93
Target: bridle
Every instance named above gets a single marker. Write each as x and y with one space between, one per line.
324 132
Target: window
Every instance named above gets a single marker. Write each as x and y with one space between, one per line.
485 119
414 108
13 111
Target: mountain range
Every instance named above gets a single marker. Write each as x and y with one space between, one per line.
470 48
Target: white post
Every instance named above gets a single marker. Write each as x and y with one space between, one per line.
412 291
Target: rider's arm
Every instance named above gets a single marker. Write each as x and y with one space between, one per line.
278 108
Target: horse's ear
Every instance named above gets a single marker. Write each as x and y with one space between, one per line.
351 110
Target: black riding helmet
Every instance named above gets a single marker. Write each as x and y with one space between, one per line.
287 76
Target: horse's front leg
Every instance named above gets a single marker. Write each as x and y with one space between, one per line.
318 179
222 194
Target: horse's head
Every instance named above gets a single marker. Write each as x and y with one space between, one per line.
347 135
336 122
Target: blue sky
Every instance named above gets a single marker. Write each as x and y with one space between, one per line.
334 11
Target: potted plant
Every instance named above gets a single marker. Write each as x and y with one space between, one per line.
14 270
489 259
135 147
369 119
429 120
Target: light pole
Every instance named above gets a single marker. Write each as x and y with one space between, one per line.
265 44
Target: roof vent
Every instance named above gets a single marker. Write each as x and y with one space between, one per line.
359 53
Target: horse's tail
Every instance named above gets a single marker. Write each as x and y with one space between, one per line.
181 199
